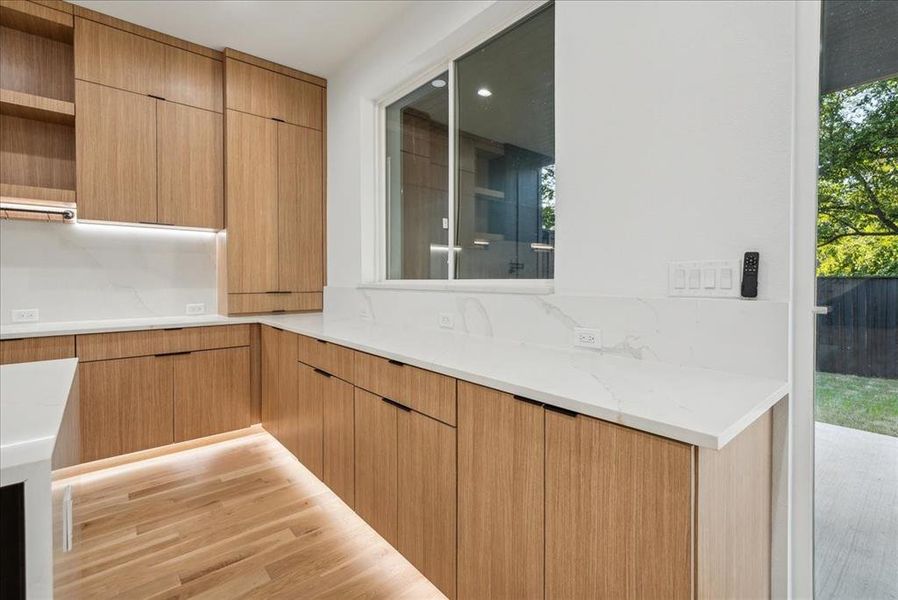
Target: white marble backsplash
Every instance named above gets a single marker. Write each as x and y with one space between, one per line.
74 272
739 336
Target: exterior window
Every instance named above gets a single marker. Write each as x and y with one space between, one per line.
470 163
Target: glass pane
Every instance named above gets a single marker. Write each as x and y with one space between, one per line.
505 213
856 399
417 163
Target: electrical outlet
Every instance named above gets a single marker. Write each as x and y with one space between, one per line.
587 338
447 321
27 315
196 309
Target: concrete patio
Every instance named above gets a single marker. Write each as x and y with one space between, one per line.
856 514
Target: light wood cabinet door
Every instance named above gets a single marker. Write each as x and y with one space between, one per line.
211 392
618 511
338 457
501 477
309 421
115 141
288 390
376 464
427 497
261 92
118 59
190 181
300 209
270 379
126 405
252 199
192 79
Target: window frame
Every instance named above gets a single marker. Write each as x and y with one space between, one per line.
380 179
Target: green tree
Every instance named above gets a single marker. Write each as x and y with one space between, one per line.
857 189
547 196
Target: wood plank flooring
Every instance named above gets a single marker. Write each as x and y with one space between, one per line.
238 519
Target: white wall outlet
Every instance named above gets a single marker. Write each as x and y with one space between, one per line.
196 309
25 315
704 278
446 320
587 338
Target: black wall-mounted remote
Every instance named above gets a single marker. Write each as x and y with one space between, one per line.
750 275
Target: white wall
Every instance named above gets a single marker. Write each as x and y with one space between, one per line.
85 272
673 140
672 136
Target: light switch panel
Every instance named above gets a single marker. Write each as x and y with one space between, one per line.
704 278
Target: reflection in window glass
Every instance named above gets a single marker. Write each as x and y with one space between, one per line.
505 104
417 162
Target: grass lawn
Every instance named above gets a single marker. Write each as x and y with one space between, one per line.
866 403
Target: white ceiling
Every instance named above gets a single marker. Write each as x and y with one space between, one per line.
310 35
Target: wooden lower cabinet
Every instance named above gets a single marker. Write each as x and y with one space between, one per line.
125 406
426 497
338 439
39 348
309 421
271 340
211 392
618 511
376 464
501 478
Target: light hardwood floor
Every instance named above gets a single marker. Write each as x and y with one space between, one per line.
237 519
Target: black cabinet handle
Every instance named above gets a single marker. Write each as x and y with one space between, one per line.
279 310
397 405
278 119
320 341
325 373
155 96
528 400
561 411
395 362
278 292
174 353
173 329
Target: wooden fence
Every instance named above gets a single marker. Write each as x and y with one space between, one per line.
859 336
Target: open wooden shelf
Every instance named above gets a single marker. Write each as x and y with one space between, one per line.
38 108
37 19
43 196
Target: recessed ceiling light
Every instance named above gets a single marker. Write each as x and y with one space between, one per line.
438 83
484 92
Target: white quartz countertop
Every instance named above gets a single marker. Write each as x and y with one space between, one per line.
33 398
699 406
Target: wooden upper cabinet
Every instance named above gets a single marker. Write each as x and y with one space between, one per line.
118 59
115 141
128 61
258 91
501 478
190 181
252 199
620 500
192 79
300 209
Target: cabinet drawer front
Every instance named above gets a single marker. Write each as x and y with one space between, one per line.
329 357
104 346
206 338
32 349
261 303
427 392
